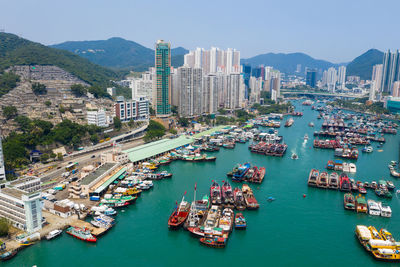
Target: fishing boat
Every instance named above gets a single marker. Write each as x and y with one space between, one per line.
195 214
215 193
361 204
349 203
390 185
333 181
81 233
103 221
240 221
215 242
238 197
294 156
344 183
353 185
373 208
213 216
289 122
311 124
227 195
258 177
306 137
179 215
251 202
53 234
241 171
367 149
203 204
312 178
322 180
361 187
226 220
8 255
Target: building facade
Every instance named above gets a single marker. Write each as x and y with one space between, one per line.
390 71
2 169
376 82
163 79
311 78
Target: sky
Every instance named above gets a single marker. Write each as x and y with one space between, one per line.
334 30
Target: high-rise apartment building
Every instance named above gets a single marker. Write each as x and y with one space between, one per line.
2 169
331 79
143 86
341 77
376 81
210 94
391 70
163 79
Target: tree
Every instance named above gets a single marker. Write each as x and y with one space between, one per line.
60 157
155 130
9 112
184 122
117 123
152 111
61 109
39 89
173 131
47 103
4 226
53 155
174 110
78 90
94 138
222 111
44 157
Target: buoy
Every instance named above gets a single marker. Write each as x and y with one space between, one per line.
304 195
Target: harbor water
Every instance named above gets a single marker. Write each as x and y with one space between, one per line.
293 230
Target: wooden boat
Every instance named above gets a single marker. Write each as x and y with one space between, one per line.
312 178
81 233
240 221
333 181
215 242
361 204
215 193
251 202
240 203
322 180
179 215
8 255
349 203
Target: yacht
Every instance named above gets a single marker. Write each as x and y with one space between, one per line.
386 211
53 234
373 208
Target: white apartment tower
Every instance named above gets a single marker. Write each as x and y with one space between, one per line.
376 81
341 80
2 169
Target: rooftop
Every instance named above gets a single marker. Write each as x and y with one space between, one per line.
110 180
13 192
158 147
97 173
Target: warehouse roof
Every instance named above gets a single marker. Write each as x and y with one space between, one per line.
101 188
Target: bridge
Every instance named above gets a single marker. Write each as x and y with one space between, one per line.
326 94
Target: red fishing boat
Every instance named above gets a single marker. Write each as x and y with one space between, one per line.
227 195
215 242
81 233
240 203
345 184
215 193
259 175
179 215
251 202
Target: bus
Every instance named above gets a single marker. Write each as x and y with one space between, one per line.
71 166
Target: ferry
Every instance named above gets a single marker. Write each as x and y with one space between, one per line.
81 233
373 208
312 178
386 235
349 203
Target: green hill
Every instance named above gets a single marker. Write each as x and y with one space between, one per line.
362 65
19 51
119 53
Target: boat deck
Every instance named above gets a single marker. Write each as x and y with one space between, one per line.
95 231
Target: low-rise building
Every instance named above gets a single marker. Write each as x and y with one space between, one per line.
97 118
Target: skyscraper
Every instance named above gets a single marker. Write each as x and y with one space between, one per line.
163 79
331 79
311 77
2 169
391 70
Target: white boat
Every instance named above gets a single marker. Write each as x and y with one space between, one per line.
373 208
352 168
346 167
306 137
53 234
386 211
294 156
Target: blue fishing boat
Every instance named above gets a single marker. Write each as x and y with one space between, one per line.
241 171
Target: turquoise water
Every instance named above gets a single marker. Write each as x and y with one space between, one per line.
291 231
